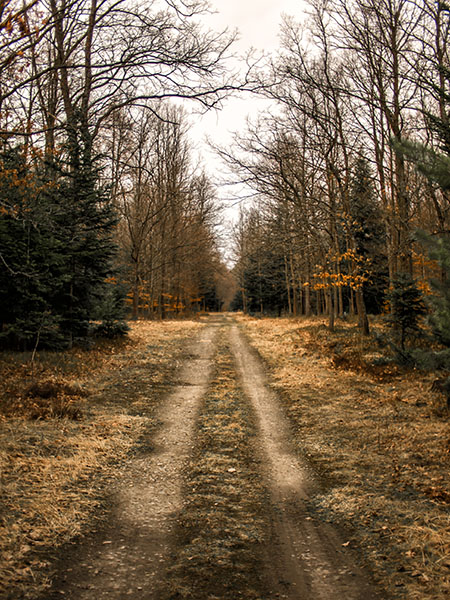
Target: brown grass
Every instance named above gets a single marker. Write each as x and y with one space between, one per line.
68 423
222 528
380 438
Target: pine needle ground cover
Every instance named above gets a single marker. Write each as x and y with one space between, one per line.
68 423
380 439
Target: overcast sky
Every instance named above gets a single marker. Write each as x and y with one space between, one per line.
257 20
258 23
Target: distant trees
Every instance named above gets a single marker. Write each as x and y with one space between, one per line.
261 269
168 214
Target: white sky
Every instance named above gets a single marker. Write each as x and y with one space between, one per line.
257 20
258 23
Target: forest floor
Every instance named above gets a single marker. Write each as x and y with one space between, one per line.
184 464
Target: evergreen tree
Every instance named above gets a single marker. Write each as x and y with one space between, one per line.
264 281
110 311
439 250
84 224
29 253
407 308
369 233
434 164
56 250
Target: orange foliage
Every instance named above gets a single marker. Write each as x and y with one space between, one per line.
325 277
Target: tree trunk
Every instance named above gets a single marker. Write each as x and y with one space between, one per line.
135 309
307 300
351 307
288 286
330 309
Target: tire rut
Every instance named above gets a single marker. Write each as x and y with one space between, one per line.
304 559
127 558
223 527
308 559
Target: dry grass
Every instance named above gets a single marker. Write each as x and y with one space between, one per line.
68 424
222 528
381 439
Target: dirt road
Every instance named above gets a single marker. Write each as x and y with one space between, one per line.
310 555
302 557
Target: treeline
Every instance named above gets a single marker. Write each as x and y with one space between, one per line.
351 163
99 197
168 217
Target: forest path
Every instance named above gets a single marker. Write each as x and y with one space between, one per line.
308 557
125 559
303 558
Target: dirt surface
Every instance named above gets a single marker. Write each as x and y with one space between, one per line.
125 559
305 559
311 560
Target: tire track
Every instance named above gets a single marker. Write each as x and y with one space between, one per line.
222 530
128 557
308 559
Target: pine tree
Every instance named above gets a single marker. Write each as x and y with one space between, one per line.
439 250
110 311
434 164
407 308
264 281
369 233
85 222
56 250
29 255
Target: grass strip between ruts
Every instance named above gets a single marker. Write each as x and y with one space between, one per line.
222 527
